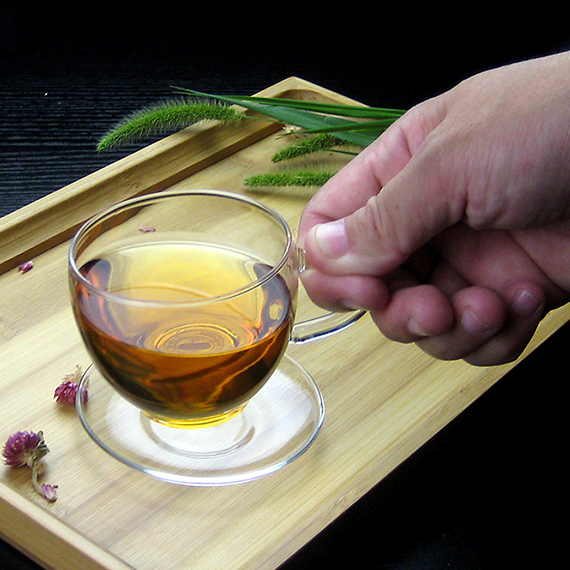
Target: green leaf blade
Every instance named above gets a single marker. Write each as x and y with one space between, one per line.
345 110
309 116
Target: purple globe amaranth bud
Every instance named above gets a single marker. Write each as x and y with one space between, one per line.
21 448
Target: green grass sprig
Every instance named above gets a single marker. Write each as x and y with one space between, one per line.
309 145
282 179
167 116
326 126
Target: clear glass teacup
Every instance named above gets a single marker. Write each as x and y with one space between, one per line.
186 301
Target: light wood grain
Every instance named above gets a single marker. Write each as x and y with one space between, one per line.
383 400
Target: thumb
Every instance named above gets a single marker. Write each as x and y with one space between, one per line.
411 209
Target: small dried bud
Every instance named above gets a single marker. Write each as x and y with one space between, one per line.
67 391
26 266
49 492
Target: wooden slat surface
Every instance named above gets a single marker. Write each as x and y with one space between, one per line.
383 400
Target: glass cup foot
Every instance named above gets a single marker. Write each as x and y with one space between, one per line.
278 425
203 443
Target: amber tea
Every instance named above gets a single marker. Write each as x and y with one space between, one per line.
160 325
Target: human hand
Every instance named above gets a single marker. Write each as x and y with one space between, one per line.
453 228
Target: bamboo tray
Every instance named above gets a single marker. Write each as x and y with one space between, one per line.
383 400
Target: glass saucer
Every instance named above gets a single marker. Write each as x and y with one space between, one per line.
278 424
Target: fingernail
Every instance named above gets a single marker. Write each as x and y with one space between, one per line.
525 303
331 239
473 325
415 328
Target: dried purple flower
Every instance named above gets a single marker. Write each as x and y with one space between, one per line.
20 449
26 266
146 229
27 448
67 391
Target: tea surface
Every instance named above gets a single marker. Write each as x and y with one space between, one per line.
168 341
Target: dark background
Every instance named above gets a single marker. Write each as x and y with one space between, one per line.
487 492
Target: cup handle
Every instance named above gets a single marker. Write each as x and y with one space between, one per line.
324 325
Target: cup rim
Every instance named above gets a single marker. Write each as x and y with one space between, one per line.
161 195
